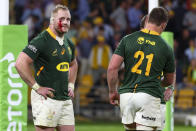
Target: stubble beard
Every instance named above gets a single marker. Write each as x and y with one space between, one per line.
61 33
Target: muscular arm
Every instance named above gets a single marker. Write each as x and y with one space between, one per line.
72 77
24 67
169 79
73 71
112 73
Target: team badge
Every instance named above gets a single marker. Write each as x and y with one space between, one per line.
140 40
54 53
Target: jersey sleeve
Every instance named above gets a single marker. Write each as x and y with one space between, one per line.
170 64
120 50
72 46
33 49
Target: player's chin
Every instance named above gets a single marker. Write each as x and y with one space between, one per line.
65 30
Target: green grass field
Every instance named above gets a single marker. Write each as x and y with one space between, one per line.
109 126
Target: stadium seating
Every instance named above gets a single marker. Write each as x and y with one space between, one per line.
185 99
85 86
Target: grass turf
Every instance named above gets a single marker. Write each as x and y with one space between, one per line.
109 126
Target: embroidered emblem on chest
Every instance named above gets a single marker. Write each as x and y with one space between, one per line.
63 51
54 53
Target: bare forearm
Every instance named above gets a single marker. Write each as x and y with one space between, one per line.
24 68
112 74
168 80
26 74
73 72
112 77
164 83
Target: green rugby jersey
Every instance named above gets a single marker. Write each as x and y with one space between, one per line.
145 55
51 62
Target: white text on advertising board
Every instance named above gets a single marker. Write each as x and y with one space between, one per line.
14 90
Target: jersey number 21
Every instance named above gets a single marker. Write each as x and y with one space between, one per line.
135 68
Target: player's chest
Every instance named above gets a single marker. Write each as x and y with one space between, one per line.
55 53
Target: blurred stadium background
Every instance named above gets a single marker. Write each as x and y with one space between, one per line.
97 22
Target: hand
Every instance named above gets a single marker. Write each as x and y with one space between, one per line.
70 92
45 92
114 98
167 94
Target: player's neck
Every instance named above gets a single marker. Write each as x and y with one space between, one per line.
153 27
55 32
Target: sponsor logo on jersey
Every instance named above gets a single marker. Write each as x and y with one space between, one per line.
63 51
141 40
54 53
32 48
149 118
63 66
150 42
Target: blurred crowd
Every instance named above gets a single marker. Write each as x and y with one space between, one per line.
97 26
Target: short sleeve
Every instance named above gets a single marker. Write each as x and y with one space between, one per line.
170 64
33 49
120 50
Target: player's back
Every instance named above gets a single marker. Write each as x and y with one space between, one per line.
146 55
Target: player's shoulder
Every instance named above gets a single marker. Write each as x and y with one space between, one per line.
130 37
164 44
40 38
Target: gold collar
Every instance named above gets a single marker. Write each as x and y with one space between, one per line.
59 39
51 33
150 32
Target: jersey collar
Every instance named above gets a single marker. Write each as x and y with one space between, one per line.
59 39
51 33
150 32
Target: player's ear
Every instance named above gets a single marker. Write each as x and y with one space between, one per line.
51 20
163 26
146 21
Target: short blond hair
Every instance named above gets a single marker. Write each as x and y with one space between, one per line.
56 9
